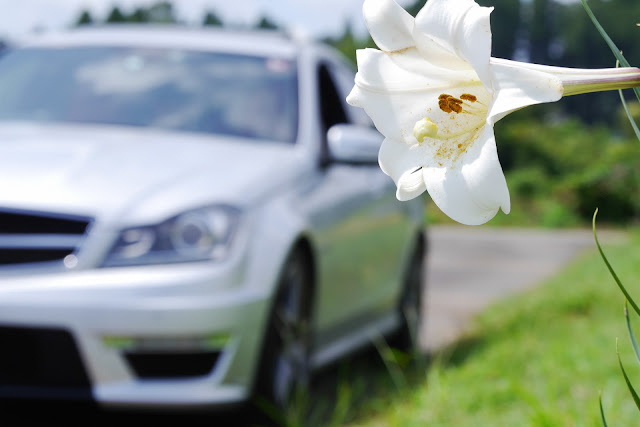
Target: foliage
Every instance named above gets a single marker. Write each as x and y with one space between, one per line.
84 18
115 16
266 24
212 19
555 160
159 12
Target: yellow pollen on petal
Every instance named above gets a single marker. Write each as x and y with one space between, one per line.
425 128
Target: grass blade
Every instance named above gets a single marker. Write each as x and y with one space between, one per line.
612 45
389 359
604 420
636 399
627 111
613 273
631 120
634 342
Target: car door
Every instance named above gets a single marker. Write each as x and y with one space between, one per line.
360 227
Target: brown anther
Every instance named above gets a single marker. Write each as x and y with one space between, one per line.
444 106
455 107
469 97
449 104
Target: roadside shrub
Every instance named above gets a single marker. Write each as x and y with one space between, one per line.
548 162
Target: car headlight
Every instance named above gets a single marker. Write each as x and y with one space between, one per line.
197 235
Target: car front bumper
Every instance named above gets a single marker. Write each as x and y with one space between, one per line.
170 336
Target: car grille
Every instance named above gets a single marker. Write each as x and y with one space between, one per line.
35 237
41 363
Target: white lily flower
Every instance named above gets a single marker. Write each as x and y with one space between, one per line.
435 93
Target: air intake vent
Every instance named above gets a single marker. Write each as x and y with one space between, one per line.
36 237
41 363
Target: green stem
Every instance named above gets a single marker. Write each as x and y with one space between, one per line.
579 80
627 80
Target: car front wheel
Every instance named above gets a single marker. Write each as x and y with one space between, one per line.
285 365
410 306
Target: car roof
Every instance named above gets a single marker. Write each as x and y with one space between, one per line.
251 42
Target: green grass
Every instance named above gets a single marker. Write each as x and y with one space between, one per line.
540 358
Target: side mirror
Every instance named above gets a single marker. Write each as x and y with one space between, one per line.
354 144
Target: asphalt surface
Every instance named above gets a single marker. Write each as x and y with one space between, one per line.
468 268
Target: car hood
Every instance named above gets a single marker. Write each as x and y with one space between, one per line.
99 171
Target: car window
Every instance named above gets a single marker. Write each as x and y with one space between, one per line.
182 90
332 109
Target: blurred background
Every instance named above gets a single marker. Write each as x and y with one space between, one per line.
561 160
549 170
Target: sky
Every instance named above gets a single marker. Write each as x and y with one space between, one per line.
316 18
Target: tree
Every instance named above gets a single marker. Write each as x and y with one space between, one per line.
266 23
541 31
116 16
139 15
84 18
161 12
212 19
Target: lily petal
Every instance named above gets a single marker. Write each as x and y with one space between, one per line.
389 24
411 60
396 98
475 42
483 173
472 194
402 163
517 87
382 72
439 33
410 185
397 158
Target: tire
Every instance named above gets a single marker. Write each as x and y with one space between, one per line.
410 306
285 369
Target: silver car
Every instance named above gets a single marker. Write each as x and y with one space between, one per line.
191 218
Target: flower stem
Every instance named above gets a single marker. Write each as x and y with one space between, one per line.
577 80
629 78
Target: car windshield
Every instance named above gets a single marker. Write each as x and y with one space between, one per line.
182 90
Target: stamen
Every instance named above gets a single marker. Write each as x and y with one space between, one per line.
449 104
455 106
444 105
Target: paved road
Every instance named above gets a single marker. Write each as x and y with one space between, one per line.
470 267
